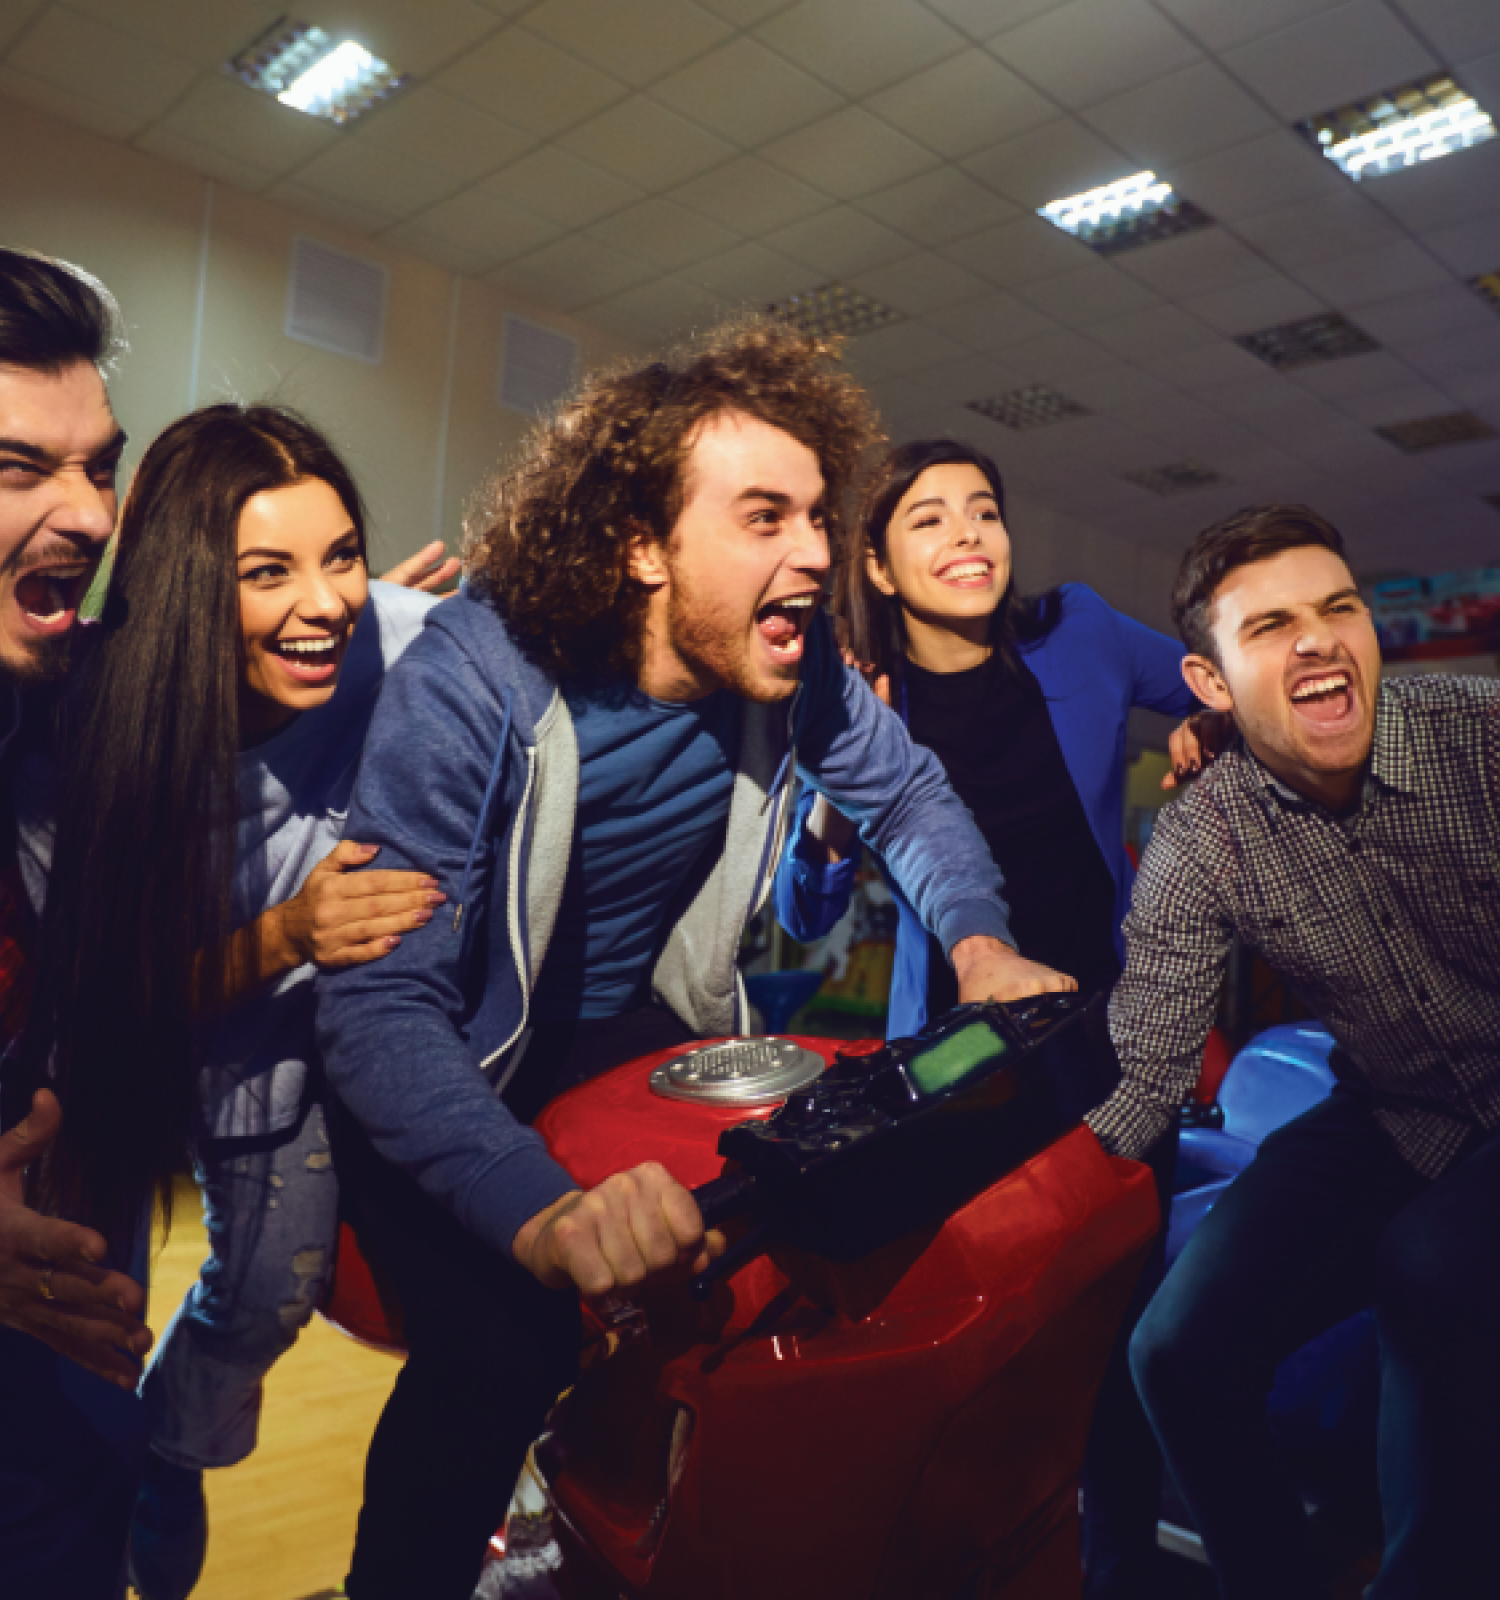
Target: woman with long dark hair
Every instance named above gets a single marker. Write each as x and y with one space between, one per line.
182 821
1025 701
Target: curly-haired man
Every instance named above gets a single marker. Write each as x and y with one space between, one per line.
592 750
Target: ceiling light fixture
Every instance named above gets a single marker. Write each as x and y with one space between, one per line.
1177 477
1326 337
1401 128
1035 406
311 71
1125 215
1432 433
1487 286
834 310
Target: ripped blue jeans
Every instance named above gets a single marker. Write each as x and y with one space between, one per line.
270 1205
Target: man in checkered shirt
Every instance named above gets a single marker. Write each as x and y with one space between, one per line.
1351 836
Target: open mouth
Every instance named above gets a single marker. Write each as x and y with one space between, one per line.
312 660
783 624
1324 701
49 599
973 572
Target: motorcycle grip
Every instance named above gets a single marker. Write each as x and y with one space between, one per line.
723 1198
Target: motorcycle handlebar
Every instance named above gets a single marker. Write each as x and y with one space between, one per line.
724 1198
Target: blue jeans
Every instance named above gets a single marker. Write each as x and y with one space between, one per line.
1326 1220
271 1209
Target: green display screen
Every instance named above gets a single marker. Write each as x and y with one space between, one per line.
956 1058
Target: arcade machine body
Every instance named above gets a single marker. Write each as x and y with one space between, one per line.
882 1395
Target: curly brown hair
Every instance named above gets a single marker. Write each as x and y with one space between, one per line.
549 540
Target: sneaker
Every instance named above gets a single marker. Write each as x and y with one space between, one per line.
168 1532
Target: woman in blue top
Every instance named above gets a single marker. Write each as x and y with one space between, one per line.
1025 701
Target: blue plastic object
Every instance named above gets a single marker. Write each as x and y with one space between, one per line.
779 996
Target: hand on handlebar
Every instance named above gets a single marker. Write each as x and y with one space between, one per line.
634 1226
989 969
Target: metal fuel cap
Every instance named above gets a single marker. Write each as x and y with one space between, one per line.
741 1072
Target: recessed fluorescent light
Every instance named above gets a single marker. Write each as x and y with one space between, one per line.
1327 337
1122 216
1035 406
1177 477
309 70
1401 128
1432 433
834 309
1487 286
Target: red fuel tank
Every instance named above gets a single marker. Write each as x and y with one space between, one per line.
907 1427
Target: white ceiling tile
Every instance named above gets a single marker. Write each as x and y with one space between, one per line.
939 206
1092 293
1468 247
859 46
108 120
415 39
1221 24
1450 358
485 224
991 323
983 19
530 82
1249 307
1315 230
963 104
578 270
1017 252
920 284
1481 77
902 347
95 62
16 16
849 154
1153 332
330 207
1328 60
1061 158
375 180
1180 117
1408 322
745 13
212 163
207 35
1367 275
608 318
645 143
1055 357
746 92
1460 29
467 263
666 234
840 242
443 133
1273 170
1194 263
967 378
671 305
1087 50
1460 186
506 10
220 114
1118 388
622 42
1376 406
1333 380
557 184
751 197
1203 368
749 274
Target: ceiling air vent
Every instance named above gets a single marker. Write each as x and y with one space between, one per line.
1035 406
1178 477
834 310
1328 337
336 301
538 366
1432 433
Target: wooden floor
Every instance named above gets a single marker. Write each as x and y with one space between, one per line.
282 1523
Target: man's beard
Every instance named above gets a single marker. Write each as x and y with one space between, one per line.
715 654
43 661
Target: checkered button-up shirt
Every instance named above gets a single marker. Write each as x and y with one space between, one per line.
1385 923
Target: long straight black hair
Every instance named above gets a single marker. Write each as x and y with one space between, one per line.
876 622
147 735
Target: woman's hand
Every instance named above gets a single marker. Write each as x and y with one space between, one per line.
341 918
1194 743
429 570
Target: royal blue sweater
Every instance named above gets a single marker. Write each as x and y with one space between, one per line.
1093 667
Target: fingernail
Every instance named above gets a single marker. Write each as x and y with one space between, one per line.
429 883
421 919
393 941
370 849
435 899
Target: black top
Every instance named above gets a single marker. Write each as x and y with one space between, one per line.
991 729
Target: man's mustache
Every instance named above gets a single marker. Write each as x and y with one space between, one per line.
54 552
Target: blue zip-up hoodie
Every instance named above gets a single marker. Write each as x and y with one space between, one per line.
1093 667
470 773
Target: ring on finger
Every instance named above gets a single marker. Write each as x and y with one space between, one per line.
44 1284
